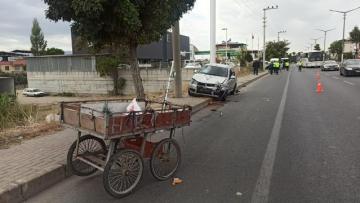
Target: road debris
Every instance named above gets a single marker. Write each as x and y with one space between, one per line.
176 181
238 194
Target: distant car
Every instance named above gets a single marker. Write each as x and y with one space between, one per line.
193 66
33 92
330 65
214 80
350 67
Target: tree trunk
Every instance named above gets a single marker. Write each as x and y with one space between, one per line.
115 79
135 72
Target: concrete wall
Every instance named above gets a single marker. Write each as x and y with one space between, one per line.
70 82
7 86
154 80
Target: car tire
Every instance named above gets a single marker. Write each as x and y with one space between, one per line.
191 94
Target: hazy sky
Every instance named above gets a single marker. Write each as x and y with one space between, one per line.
300 18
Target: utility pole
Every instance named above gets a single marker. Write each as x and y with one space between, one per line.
212 31
325 35
226 43
177 59
280 32
264 49
343 39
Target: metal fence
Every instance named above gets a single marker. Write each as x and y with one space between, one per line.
83 63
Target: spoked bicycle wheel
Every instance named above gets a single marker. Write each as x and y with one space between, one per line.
87 145
123 173
165 159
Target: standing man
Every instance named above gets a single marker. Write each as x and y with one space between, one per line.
256 66
276 67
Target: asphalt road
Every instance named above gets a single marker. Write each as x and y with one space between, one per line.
276 141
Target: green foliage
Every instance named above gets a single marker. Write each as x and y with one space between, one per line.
122 22
13 114
355 37
108 66
336 49
276 49
54 51
243 56
317 47
38 44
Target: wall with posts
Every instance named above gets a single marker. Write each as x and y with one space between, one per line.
77 74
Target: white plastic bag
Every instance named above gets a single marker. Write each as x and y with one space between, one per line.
133 106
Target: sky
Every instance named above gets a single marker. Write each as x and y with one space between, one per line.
300 19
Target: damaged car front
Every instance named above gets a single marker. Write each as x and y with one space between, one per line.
215 80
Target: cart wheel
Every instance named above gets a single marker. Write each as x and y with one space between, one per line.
87 144
165 159
123 173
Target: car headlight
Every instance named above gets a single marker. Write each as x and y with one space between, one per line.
348 68
193 82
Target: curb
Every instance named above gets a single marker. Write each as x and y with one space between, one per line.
23 189
252 80
200 106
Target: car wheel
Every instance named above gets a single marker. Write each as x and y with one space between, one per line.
191 94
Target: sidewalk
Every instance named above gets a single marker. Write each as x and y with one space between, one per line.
36 164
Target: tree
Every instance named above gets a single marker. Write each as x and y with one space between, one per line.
276 49
121 22
54 51
336 49
38 44
317 47
355 38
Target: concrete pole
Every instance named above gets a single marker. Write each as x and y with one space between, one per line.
324 47
226 44
177 59
264 49
343 42
212 31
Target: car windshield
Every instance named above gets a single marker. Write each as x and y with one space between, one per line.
214 70
36 90
353 62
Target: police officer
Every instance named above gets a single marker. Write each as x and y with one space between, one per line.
276 67
256 66
287 65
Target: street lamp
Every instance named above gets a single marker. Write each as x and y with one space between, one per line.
264 49
226 42
343 40
325 34
280 32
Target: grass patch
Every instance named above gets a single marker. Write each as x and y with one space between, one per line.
13 114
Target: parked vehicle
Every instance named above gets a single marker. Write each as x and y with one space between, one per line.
33 92
350 67
330 65
193 66
215 80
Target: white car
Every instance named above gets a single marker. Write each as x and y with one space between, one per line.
215 80
193 66
33 92
330 65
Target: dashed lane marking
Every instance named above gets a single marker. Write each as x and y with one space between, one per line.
349 83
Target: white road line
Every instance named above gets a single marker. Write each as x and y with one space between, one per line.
262 188
349 83
335 77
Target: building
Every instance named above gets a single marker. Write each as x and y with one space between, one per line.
16 66
153 52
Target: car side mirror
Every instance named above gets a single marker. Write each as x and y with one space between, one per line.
233 77
196 71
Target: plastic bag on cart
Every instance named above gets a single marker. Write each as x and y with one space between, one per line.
133 106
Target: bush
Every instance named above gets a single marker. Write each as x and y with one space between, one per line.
19 78
14 114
